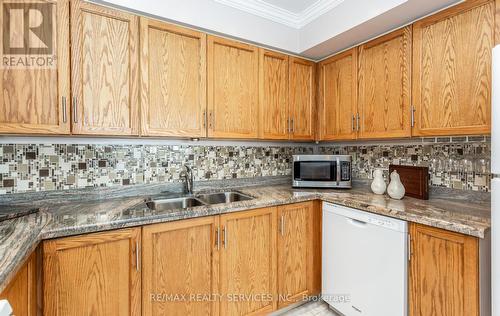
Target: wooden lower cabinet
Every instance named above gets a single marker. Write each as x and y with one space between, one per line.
232 264
94 274
180 267
297 273
248 262
444 274
22 290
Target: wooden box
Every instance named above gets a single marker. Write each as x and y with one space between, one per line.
414 179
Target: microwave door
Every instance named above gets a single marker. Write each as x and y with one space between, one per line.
315 171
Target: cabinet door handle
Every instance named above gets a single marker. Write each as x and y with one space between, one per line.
217 238
75 118
204 119
224 233
137 255
352 122
412 116
282 225
292 125
357 122
64 114
409 247
210 120
288 128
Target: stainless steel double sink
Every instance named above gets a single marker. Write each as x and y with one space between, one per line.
184 202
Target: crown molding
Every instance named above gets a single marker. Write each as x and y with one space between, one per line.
280 15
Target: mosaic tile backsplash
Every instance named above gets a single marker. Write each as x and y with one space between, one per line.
26 168
464 165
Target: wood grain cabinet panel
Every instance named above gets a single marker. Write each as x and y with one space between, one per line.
248 262
302 87
384 86
104 55
296 252
444 274
173 80
36 101
94 274
452 70
273 94
233 90
181 260
338 96
22 290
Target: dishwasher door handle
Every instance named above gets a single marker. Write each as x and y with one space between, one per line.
357 223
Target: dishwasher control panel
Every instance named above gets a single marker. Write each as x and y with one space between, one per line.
365 217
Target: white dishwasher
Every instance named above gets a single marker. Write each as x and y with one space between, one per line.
365 262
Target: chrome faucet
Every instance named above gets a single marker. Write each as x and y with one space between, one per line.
188 178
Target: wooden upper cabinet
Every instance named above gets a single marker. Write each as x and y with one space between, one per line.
273 95
180 258
384 86
302 89
338 96
36 100
452 70
94 274
233 90
444 275
104 55
248 262
173 80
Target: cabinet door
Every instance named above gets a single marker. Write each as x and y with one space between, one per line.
22 290
233 89
302 98
384 86
444 273
295 253
173 77
273 94
181 260
104 70
35 100
95 274
248 262
452 70
338 96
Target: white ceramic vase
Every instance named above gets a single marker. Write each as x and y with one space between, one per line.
396 189
378 184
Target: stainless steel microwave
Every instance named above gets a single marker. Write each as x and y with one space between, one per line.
322 171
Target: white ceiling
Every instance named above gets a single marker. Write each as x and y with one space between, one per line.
310 28
295 6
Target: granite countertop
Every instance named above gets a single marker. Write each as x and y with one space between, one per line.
66 214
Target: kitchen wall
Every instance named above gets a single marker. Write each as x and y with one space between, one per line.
458 162
43 167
